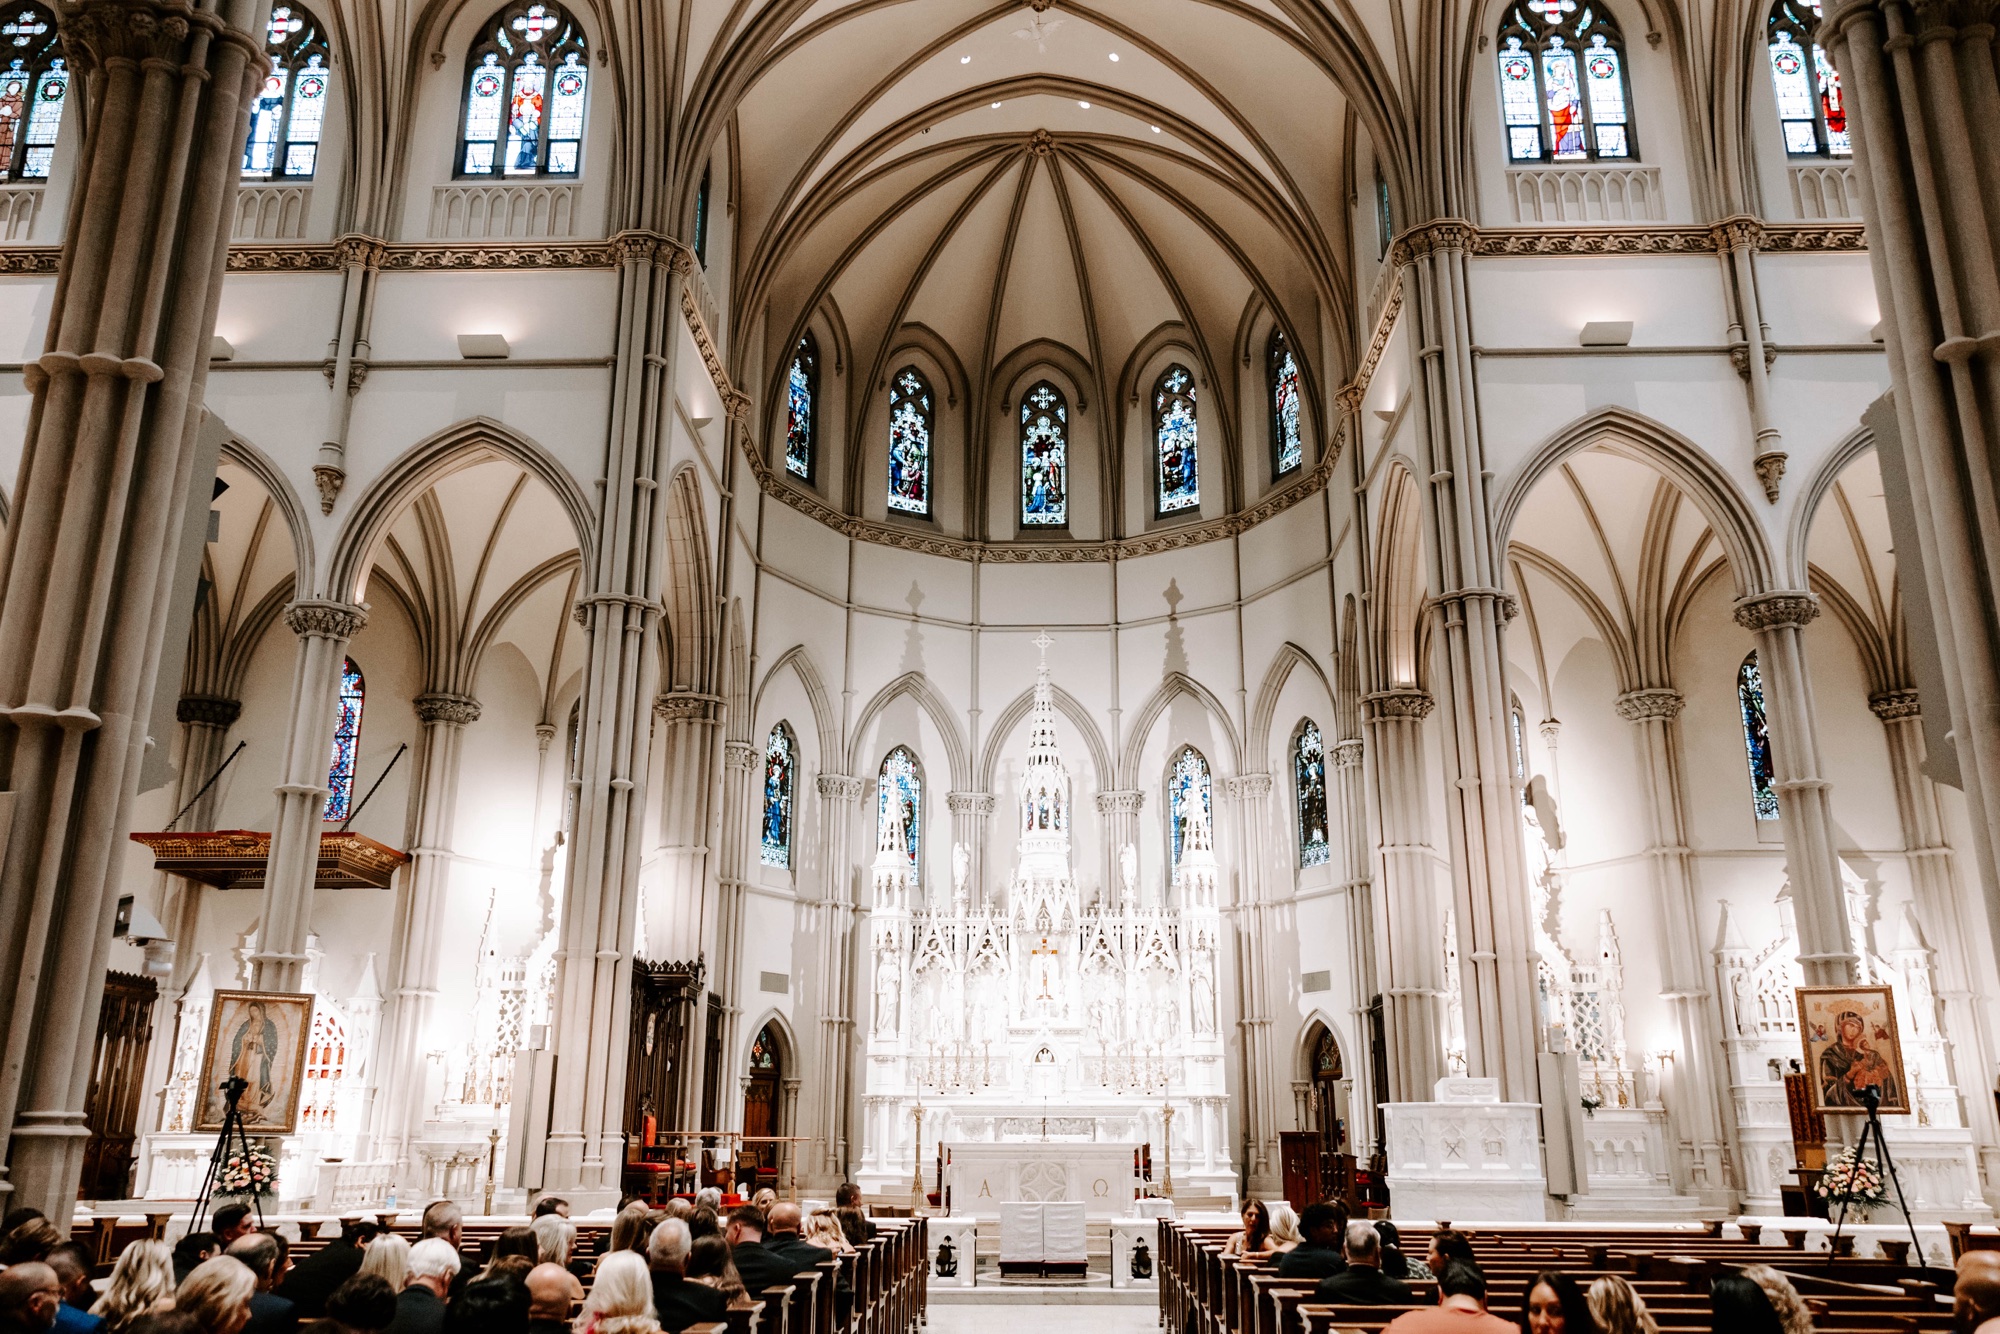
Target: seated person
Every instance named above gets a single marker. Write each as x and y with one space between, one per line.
677 1300
1318 1256
1255 1239
781 1238
1363 1283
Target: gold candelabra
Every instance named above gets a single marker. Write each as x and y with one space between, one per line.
1167 1150
917 1159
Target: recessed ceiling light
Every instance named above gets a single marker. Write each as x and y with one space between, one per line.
965 60
1084 105
1114 57
1156 129
996 106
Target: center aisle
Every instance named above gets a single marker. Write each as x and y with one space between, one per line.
1010 1318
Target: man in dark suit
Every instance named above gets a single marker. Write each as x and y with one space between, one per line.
1318 1256
313 1279
677 1300
434 1264
761 1269
1363 1283
781 1238
269 1313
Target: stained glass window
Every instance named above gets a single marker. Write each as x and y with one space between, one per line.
1187 783
1287 444
524 95
1175 439
1810 106
1563 94
701 220
34 84
1518 725
1756 738
346 743
1044 457
780 766
910 420
1309 779
289 111
901 783
802 415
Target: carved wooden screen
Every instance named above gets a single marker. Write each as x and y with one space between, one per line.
656 1059
117 1075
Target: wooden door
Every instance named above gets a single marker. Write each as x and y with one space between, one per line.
760 1104
117 1072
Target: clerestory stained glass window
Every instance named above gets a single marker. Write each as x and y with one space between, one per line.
780 772
1187 784
524 95
289 111
1176 442
1044 457
1563 91
701 219
1288 449
1309 780
346 743
1810 106
802 411
901 783
910 421
1756 738
34 85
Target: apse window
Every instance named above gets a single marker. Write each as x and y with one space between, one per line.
910 421
1287 440
524 95
1757 739
289 111
1563 91
780 770
1189 801
1810 107
802 409
1044 457
1176 442
346 743
34 85
900 792
1309 786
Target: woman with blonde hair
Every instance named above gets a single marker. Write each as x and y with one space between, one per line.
765 1198
621 1298
1618 1308
141 1282
823 1229
1785 1300
1285 1234
217 1294
389 1256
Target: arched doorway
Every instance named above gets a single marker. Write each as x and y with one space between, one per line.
1314 1158
763 1091
1329 1093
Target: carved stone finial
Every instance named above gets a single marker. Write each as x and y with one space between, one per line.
1893 704
1771 611
318 618
1771 472
1657 702
208 710
445 707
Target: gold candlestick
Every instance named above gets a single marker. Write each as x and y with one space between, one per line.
917 1159
492 1151
1167 1151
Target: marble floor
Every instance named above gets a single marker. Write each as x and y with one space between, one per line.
1011 1319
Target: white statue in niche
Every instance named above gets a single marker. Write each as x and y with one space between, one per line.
1204 1001
1128 871
961 867
886 993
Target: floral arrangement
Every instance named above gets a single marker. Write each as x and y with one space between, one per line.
1591 1102
1853 1181
251 1172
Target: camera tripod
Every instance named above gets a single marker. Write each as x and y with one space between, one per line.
232 1137
1885 1164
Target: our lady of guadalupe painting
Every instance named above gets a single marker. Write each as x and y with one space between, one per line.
260 1038
1852 1045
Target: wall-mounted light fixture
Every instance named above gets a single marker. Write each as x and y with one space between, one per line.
484 347
220 348
1606 333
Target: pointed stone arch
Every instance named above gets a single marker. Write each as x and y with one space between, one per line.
798 660
918 686
1069 707
1288 659
1172 686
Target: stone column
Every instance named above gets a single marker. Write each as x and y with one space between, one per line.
1920 85
1118 816
1655 714
685 732
739 759
1251 795
1410 928
1812 858
324 629
420 925
969 814
1350 807
621 621
1482 794
87 564
1941 911
839 794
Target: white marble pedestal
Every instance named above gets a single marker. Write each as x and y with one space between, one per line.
982 1177
1471 1161
1130 1238
961 1235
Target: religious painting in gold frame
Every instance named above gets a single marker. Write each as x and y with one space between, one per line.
1851 1044
261 1036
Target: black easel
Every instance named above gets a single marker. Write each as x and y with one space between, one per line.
232 1137
1885 1164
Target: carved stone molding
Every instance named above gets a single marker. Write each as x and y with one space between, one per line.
1656 702
1347 754
329 480
1247 787
969 803
1429 238
544 734
839 787
1120 801
1772 611
208 710
1891 705
99 32
445 707
1771 468
739 755
1396 705
687 706
316 618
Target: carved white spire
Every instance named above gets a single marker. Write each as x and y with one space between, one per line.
1045 786
892 858
1196 874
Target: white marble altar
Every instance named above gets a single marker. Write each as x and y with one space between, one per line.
1030 1015
1463 1160
983 1178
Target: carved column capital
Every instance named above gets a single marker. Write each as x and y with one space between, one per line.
687 706
1777 611
1347 754
1123 801
441 706
208 710
839 787
1247 787
1893 704
1655 702
317 618
739 754
1406 702
969 803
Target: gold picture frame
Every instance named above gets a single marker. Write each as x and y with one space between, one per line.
1851 1041
262 1036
